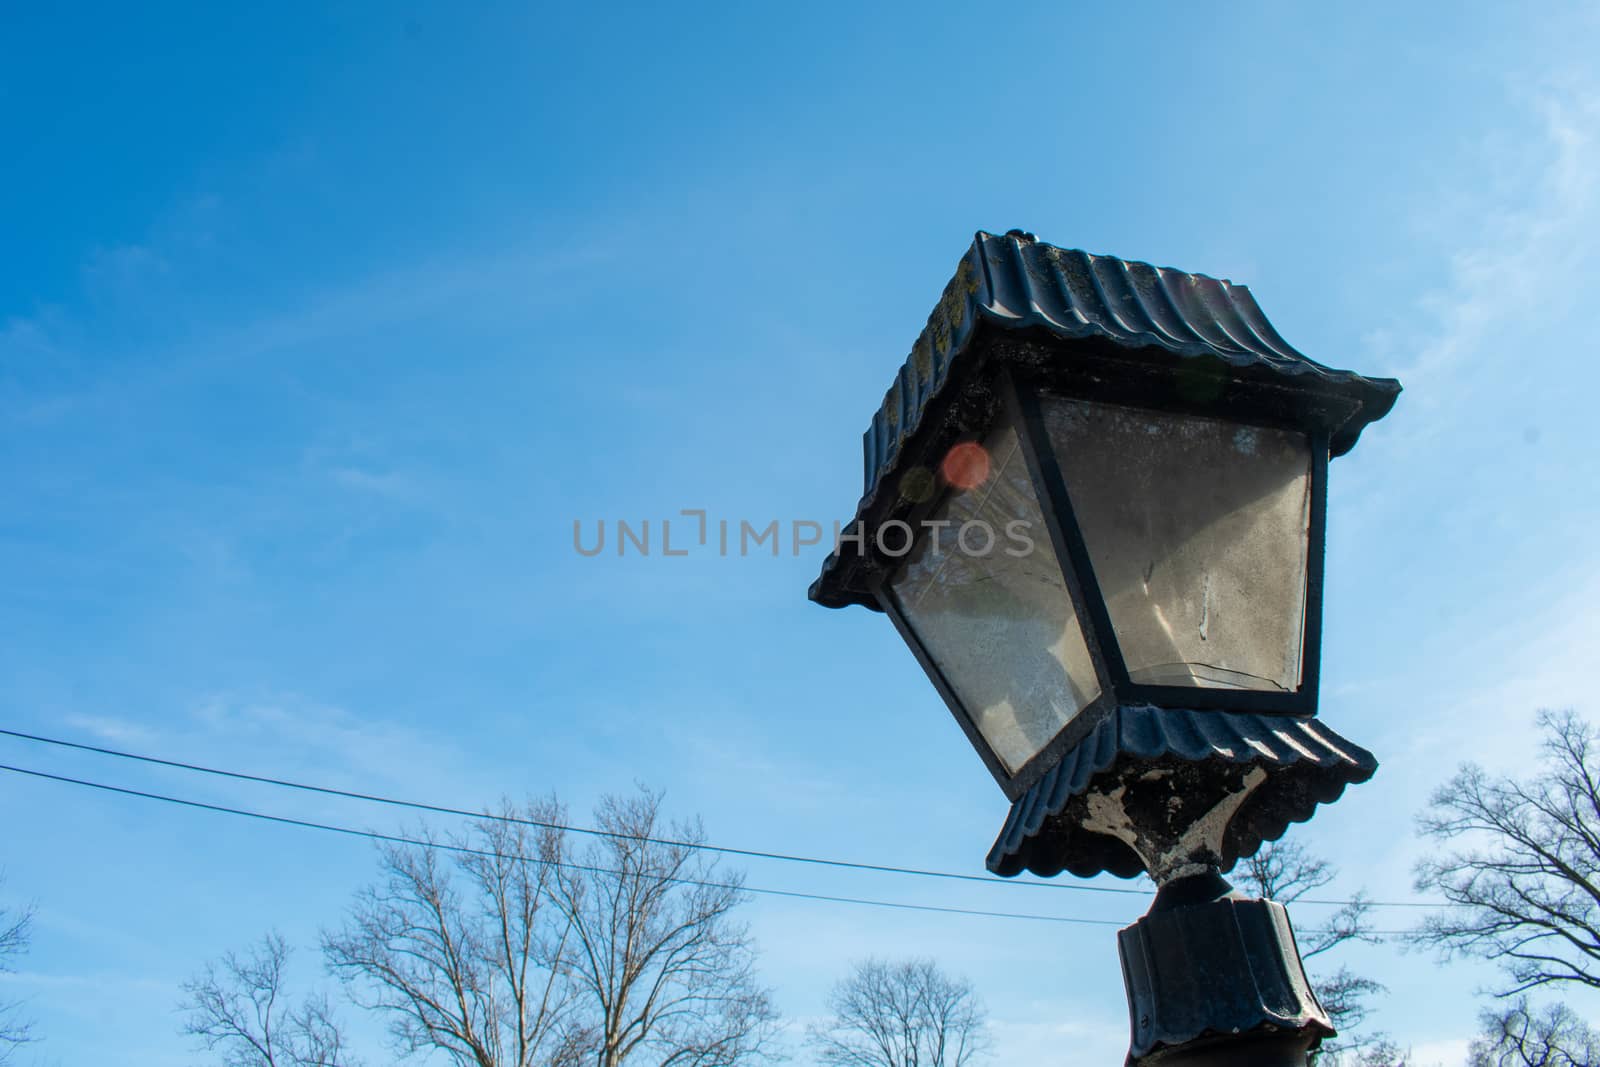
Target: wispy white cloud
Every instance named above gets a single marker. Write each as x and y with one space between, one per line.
291 736
1062 1034
107 728
1519 238
384 483
354 748
1450 1052
151 282
1543 661
96 984
742 753
114 267
23 336
1517 225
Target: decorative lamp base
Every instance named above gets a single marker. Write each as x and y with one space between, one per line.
1215 979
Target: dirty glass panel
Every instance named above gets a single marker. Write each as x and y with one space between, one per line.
1197 531
983 591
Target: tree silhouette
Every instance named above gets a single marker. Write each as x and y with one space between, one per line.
908 1014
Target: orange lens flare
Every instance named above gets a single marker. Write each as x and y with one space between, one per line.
966 466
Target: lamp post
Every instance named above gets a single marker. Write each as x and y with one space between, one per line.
1094 509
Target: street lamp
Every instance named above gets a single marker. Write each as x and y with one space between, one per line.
1094 510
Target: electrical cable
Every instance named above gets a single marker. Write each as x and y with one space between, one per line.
444 846
758 854
441 809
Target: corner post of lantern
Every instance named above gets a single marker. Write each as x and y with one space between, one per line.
1137 664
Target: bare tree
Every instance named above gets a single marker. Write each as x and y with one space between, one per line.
1519 1036
1523 871
1519 866
908 1014
16 931
507 947
239 1008
1379 1052
453 944
1285 872
662 972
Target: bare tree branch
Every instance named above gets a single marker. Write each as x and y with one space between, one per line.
519 953
16 931
907 1014
1284 871
235 1007
1523 869
663 972
1518 1036
456 949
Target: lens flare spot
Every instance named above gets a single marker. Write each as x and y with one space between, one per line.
966 466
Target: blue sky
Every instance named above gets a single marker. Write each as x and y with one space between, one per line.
320 326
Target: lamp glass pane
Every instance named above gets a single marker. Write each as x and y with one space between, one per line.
982 590
1197 529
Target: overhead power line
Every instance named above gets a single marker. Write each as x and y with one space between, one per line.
444 809
444 846
747 853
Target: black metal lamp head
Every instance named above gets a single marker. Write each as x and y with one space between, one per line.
1094 506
